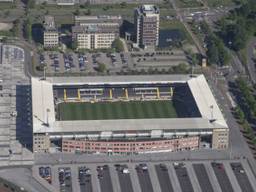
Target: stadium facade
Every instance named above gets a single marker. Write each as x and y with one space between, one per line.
152 113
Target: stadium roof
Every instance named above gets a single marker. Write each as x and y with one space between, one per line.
44 112
135 124
118 79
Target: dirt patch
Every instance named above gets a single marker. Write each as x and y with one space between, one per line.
5 26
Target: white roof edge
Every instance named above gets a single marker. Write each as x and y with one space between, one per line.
120 79
205 100
42 103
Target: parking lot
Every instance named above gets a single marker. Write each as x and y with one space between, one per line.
202 177
104 178
144 179
84 178
182 174
241 177
150 177
65 179
124 178
93 63
163 178
222 177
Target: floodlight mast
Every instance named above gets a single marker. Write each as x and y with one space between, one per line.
46 124
211 107
44 77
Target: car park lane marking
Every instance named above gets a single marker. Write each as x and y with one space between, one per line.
153 177
114 179
174 179
249 173
164 178
75 184
134 178
94 179
193 178
232 177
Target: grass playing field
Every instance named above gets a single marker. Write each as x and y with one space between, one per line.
116 110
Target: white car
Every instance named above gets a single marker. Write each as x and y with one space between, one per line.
125 171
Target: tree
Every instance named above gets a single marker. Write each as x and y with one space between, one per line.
4 39
240 114
216 52
212 52
43 5
6 13
31 4
28 29
102 67
118 45
77 12
235 36
123 4
15 28
74 45
182 68
87 12
224 57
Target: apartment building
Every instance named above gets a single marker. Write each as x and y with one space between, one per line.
96 32
146 20
51 35
94 37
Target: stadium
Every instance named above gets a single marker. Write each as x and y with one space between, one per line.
126 114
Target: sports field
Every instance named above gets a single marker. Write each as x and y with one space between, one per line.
116 110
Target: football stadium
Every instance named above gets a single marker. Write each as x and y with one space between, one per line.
126 114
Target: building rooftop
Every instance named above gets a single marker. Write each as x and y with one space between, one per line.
49 23
118 79
98 20
95 29
44 111
148 9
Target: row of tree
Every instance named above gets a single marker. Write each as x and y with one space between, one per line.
216 51
247 95
249 104
239 25
28 29
245 124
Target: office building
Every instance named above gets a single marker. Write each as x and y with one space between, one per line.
51 35
95 32
146 21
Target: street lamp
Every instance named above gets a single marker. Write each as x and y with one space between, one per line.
211 107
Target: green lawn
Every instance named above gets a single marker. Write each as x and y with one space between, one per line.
7 5
217 3
116 110
188 3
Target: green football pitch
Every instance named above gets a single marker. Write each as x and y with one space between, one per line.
116 110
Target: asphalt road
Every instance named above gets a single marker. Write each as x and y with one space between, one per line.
203 178
163 178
